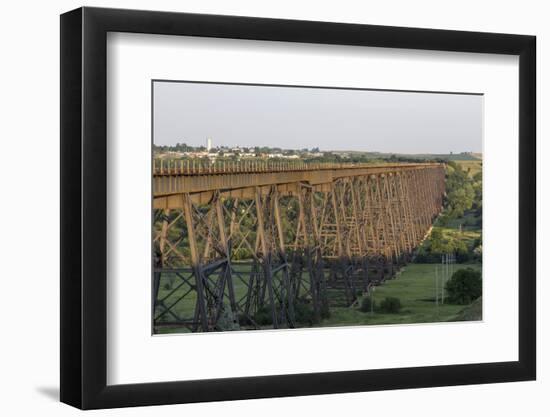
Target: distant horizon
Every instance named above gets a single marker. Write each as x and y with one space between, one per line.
295 118
214 146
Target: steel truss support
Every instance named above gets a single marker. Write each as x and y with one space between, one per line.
251 259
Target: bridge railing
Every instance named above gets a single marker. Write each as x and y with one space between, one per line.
200 167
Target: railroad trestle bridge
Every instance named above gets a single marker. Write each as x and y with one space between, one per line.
246 245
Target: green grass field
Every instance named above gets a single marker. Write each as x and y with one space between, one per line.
473 167
465 229
415 287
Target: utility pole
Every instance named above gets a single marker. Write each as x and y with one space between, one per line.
372 301
436 289
442 279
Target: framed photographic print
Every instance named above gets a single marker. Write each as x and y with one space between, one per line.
257 207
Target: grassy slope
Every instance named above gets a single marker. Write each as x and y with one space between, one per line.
471 312
473 166
470 230
415 286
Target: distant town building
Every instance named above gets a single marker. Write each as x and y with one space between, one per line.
208 144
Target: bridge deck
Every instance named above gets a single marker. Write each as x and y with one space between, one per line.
237 179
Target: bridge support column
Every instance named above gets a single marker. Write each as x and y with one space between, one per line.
307 253
200 311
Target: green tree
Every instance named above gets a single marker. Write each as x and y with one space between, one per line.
464 286
367 304
461 193
391 305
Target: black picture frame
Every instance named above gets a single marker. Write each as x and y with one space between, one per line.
84 207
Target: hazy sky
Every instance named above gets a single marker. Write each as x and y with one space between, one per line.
294 118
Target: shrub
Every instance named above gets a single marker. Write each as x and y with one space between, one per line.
443 220
390 305
263 316
462 253
366 305
228 320
425 256
464 286
304 313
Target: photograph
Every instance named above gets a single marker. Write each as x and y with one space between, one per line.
304 207
291 207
